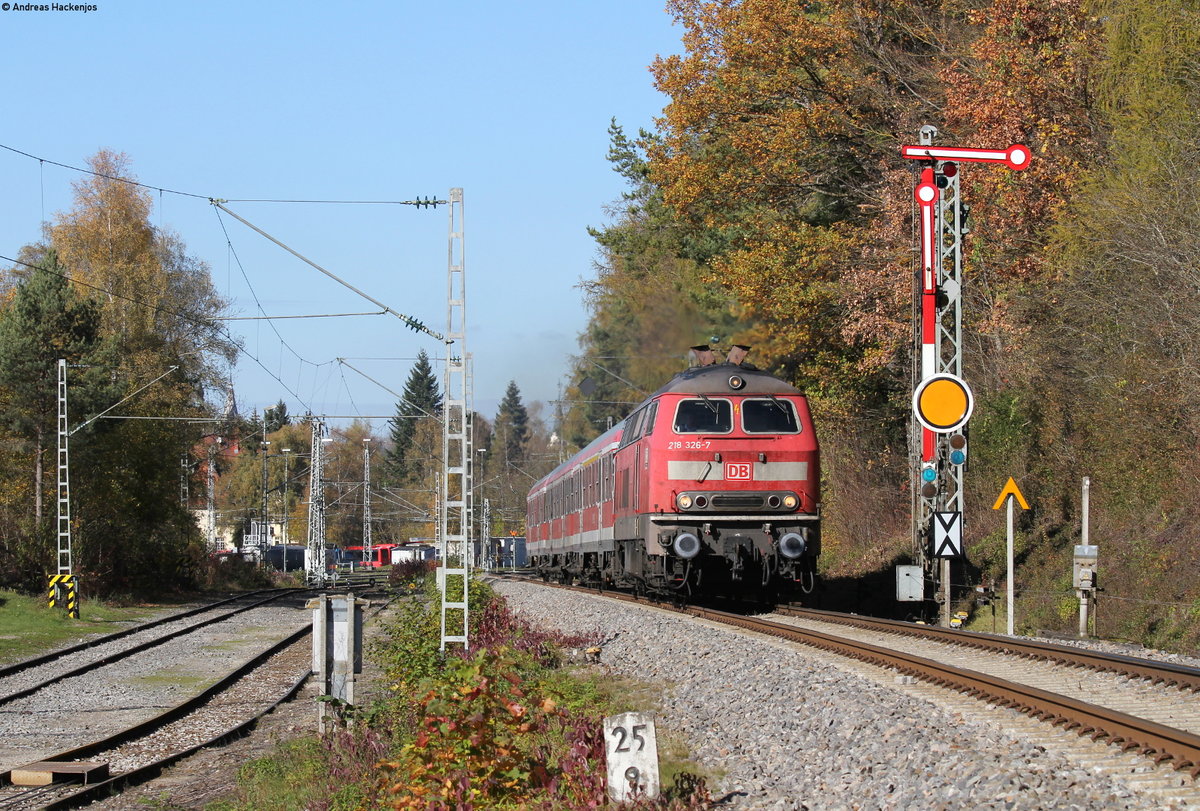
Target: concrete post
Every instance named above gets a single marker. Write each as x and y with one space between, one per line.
337 650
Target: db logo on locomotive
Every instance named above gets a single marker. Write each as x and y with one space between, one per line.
738 471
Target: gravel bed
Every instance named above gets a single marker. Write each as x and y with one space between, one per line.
783 730
1123 649
89 707
262 687
25 679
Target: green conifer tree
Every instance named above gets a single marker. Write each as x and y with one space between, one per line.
511 434
421 400
46 321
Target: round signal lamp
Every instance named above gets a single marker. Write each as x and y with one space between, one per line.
685 502
943 403
790 501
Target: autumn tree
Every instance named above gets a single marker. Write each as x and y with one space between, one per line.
152 308
239 493
344 473
159 304
780 137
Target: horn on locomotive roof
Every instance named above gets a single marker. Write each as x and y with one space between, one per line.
737 354
702 355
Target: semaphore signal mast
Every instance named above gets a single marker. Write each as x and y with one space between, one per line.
942 400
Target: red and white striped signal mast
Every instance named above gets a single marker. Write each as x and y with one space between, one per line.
942 400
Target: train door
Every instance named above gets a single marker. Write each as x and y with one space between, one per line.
627 463
642 462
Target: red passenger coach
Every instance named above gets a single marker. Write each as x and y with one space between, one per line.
381 555
711 486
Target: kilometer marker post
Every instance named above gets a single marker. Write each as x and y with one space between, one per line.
1010 493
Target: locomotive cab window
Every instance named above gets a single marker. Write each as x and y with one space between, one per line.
704 416
770 416
632 425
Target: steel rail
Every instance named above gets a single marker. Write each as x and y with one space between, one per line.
1168 673
1127 732
58 653
124 654
1160 742
114 783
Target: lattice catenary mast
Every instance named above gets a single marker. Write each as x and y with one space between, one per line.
314 556
368 552
454 502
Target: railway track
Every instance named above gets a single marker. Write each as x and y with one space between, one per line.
1124 719
146 697
1135 705
24 678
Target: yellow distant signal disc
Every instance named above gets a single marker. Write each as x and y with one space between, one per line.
942 403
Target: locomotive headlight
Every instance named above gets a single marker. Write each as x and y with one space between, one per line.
684 501
790 501
736 381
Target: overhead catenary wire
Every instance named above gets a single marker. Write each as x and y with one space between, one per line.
397 395
280 317
408 321
233 342
254 293
413 323
418 202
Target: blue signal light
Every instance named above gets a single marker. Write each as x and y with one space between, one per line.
928 474
958 457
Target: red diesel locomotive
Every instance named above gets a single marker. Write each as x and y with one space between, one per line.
710 487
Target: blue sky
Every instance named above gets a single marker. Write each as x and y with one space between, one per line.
350 101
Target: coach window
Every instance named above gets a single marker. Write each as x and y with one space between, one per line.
704 416
770 416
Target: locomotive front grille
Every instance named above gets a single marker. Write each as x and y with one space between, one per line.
738 502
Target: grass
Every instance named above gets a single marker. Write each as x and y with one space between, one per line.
294 777
176 678
28 626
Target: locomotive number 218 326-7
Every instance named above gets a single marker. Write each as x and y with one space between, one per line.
689 445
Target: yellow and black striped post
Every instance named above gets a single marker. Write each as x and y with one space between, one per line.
62 590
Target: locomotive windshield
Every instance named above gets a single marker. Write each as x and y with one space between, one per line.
706 416
773 416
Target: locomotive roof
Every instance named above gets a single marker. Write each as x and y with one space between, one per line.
714 379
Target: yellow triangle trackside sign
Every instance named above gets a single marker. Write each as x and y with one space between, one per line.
1011 489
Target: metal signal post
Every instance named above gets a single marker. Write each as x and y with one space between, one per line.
942 400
